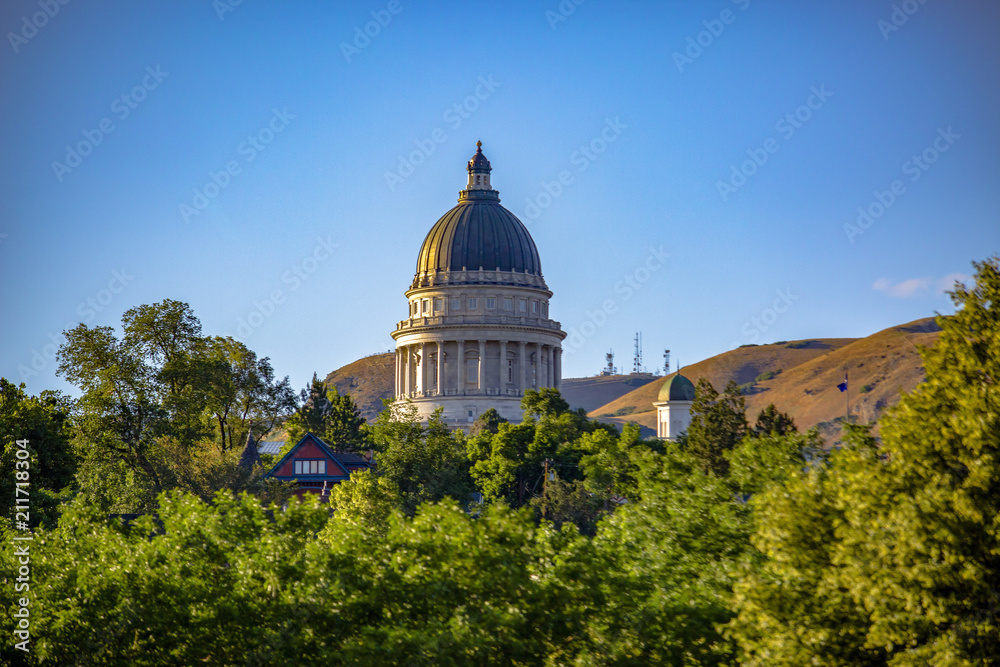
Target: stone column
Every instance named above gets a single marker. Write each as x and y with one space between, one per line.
439 387
557 368
422 384
538 367
503 367
406 379
522 359
396 388
482 367
460 376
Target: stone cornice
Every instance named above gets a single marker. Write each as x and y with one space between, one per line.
477 276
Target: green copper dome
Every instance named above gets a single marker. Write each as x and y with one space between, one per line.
676 388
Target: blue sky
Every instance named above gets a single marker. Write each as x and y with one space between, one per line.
277 168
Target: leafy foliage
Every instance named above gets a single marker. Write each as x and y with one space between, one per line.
718 423
334 418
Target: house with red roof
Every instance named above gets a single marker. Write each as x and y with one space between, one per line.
314 466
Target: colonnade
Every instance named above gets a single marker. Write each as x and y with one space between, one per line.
421 368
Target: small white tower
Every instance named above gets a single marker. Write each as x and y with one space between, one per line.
673 407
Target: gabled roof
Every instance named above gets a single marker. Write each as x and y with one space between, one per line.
343 461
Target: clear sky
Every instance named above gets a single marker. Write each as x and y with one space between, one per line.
225 153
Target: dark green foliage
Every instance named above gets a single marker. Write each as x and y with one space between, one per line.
488 422
798 345
161 380
729 547
770 421
544 402
769 375
718 423
866 388
422 463
44 421
334 418
889 555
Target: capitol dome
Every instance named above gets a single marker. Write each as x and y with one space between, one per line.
478 239
478 333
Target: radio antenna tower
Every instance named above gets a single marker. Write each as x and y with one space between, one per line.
637 363
666 362
610 368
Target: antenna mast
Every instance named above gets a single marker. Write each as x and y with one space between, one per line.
637 363
609 369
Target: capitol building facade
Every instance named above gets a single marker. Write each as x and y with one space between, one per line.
478 333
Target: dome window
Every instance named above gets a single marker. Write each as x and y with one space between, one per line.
473 303
534 307
456 303
522 305
508 304
426 306
491 303
438 304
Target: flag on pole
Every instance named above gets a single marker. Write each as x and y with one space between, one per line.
843 385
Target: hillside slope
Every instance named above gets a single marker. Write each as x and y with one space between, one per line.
368 380
880 367
592 392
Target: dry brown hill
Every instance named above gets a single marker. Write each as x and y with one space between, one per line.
368 380
880 367
592 392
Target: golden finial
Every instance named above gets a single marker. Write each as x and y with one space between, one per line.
479 145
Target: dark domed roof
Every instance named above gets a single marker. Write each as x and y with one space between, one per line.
477 234
676 388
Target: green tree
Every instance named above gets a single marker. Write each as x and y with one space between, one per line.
759 460
792 610
364 502
546 401
423 463
507 465
161 379
671 560
771 421
487 422
718 423
334 418
890 555
44 421
608 466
